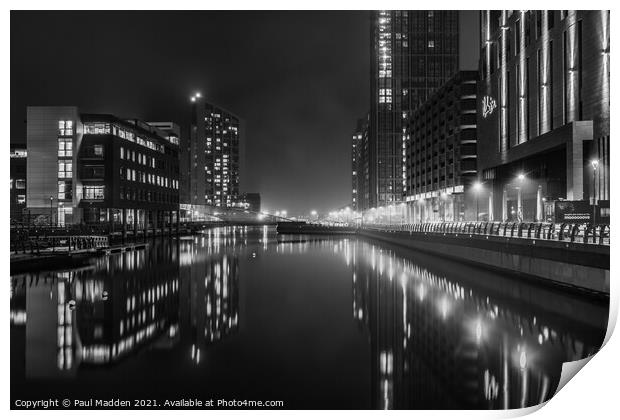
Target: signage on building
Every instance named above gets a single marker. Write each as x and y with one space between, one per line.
488 106
573 212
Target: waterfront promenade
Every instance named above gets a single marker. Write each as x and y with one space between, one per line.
569 256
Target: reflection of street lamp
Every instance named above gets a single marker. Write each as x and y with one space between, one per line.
51 210
594 163
477 188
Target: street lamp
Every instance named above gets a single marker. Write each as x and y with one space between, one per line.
477 188
594 163
420 207
51 210
520 178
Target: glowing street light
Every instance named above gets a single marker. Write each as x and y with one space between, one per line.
594 163
477 188
444 197
51 210
313 213
198 95
520 178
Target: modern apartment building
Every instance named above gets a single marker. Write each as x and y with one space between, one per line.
359 165
214 156
18 183
97 168
543 110
412 54
441 153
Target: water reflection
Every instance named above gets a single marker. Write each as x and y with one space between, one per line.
441 340
325 322
211 289
98 315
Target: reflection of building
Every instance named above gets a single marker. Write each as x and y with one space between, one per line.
543 100
18 182
121 310
214 155
437 343
96 168
98 316
412 54
211 286
441 151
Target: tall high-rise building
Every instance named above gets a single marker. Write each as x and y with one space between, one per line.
18 182
412 54
543 118
359 167
441 153
214 155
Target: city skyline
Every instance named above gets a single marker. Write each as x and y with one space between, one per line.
295 85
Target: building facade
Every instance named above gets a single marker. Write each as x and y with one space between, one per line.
214 156
412 54
543 110
441 153
359 165
18 183
97 168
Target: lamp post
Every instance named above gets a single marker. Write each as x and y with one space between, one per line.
444 195
594 164
51 210
520 178
477 188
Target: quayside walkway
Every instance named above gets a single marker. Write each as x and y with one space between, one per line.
567 255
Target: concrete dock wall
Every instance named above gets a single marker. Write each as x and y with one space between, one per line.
582 266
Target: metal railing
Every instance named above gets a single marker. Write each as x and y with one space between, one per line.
566 232
59 243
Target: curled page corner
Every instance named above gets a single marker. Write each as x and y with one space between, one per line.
570 369
613 312
522 412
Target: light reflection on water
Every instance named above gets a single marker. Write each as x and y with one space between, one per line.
318 322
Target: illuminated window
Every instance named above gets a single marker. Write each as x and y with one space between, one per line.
98 150
64 190
65 169
97 128
122 152
19 153
65 128
21 199
94 192
20 184
65 147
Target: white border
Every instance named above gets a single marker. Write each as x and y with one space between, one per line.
591 395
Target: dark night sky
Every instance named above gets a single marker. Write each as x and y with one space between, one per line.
299 80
